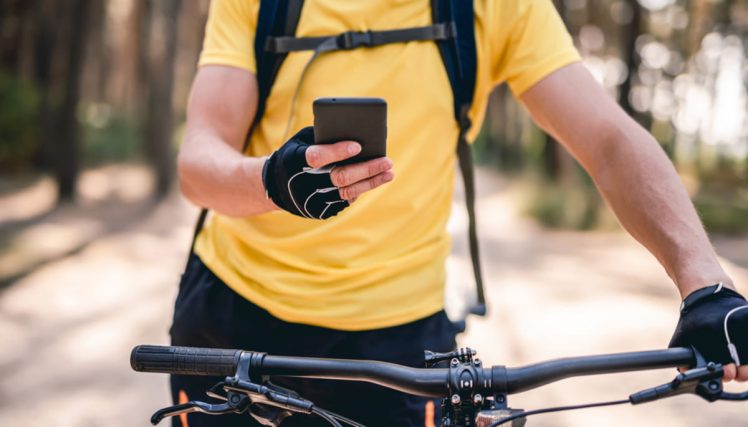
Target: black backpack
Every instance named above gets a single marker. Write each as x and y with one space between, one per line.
453 30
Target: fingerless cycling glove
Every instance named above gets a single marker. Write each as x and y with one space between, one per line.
714 320
296 187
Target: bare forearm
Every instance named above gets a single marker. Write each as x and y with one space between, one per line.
632 172
643 189
214 175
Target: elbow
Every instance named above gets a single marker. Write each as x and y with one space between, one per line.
610 140
187 170
624 149
615 142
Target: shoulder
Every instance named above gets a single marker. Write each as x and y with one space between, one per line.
229 33
504 13
235 10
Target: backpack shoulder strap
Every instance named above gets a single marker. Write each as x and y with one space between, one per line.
460 58
459 53
276 18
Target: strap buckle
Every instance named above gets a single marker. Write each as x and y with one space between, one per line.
271 44
464 120
446 31
354 39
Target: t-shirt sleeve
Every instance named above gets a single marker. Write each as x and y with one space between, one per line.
230 34
533 43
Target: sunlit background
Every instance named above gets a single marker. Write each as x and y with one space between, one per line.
93 232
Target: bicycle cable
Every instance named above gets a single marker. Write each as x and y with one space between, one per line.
326 416
348 421
325 46
558 409
333 418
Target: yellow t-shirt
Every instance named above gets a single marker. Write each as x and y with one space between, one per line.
381 262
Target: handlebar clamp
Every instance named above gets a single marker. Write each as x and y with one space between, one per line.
469 385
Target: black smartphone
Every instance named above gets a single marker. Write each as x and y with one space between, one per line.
363 120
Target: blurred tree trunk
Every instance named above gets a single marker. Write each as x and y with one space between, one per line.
630 33
137 48
504 130
193 16
25 47
98 61
726 15
12 14
701 22
160 111
65 148
43 59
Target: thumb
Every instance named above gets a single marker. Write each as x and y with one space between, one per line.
321 155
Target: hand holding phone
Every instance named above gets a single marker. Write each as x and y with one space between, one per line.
300 177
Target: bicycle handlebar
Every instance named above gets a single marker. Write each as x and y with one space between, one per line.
424 382
532 376
185 360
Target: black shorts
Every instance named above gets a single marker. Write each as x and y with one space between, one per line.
209 314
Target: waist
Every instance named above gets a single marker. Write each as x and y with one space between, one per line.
384 289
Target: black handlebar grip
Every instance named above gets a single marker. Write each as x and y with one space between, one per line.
185 360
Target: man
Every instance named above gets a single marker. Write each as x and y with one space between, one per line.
368 282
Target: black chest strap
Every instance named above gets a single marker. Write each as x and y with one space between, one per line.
355 39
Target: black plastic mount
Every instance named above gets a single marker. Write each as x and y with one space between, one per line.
469 386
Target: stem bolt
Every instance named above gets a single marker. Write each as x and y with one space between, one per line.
456 399
455 362
478 399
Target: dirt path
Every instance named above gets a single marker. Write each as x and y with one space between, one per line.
69 325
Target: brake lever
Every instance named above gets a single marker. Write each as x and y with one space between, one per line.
270 395
704 381
734 397
218 392
236 404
